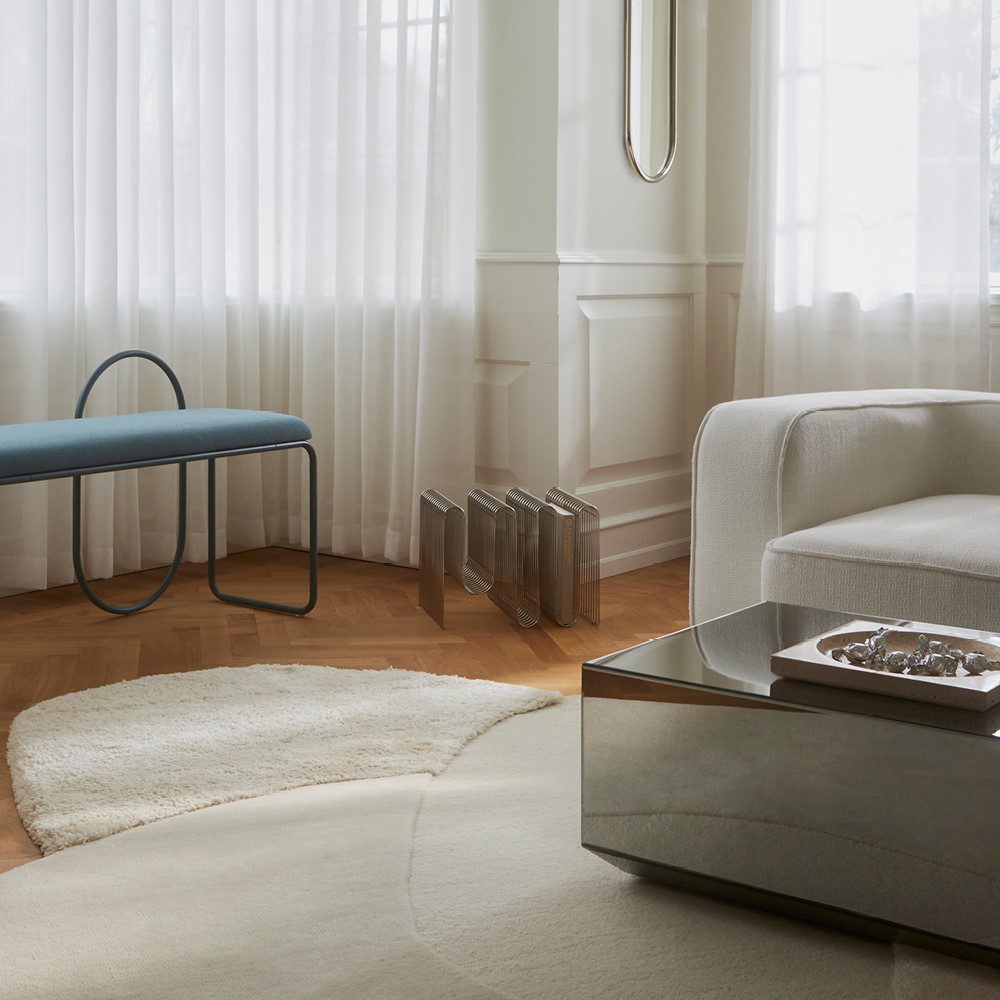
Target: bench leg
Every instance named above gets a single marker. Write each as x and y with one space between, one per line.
250 602
81 577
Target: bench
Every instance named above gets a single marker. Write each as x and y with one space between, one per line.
83 446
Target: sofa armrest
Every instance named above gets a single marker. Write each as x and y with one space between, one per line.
765 467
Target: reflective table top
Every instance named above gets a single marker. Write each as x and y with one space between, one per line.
732 654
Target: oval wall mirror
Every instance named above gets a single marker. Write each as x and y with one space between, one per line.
651 86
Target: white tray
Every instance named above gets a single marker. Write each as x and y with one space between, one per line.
807 661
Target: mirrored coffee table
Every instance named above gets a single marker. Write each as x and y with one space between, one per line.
876 815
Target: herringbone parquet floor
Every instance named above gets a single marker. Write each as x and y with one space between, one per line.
53 642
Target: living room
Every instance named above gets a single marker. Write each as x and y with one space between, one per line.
499 499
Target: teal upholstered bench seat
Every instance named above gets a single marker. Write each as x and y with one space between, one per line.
50 448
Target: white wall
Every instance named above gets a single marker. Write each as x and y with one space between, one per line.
603 206
606 304
518 93
516 400
631 292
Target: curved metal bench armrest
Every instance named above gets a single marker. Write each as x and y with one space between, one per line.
121 356
81 576
253 602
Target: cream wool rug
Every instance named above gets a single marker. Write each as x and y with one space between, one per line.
94 763
466 886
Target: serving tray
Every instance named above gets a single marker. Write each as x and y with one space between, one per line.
808 661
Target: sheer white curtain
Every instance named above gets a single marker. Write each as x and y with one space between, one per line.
867 257
275 195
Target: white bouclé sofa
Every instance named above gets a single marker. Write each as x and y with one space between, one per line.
884 502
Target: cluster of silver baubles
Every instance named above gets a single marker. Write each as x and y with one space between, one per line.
931 658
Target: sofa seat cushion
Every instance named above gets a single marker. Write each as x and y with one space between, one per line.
50 447
936 559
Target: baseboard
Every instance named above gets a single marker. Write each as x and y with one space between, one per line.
623 562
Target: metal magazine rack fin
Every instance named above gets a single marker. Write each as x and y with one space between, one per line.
454 542
480 563
442 549
498 542
528 510
587 558
556 563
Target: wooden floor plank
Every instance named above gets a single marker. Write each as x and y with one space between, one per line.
55 641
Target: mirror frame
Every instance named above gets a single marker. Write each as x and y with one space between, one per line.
672 72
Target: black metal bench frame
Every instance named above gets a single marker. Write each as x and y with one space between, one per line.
182 462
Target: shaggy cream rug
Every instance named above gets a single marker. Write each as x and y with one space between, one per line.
465 886
97 762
